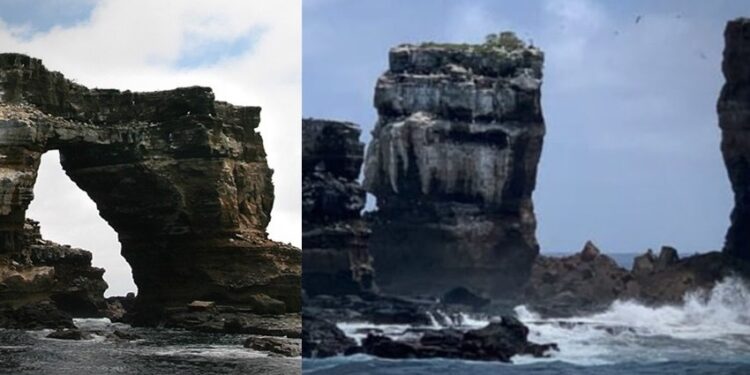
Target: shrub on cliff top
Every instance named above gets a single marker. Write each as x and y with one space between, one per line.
505 39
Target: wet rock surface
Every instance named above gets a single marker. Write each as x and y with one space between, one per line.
274 345
321 338
182 178
334 238
453 165
498 341
69 334
227 319
734 121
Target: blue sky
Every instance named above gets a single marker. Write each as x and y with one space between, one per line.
43 15
631 158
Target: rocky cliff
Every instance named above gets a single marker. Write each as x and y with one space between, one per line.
182 178
49 279
335 257
734 120
453 165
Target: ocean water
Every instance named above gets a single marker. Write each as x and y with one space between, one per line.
159 352
708 333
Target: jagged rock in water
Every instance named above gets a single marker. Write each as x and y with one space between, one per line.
579 283
322 339
275 345
182 178
498 341
335 257
453 165
734 120
44 277
666 279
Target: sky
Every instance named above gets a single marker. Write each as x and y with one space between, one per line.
631 157
248 51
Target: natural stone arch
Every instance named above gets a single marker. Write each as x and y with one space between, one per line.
182 178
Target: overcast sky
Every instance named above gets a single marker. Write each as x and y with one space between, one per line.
249 52
631 159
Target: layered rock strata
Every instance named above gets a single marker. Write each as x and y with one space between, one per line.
453 165
336 260
734 120
45 284
182 179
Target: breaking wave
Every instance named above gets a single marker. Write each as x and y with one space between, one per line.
713 325
710 326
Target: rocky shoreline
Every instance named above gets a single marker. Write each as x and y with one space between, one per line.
445 244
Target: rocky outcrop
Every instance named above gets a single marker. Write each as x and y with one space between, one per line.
45 283
661 282
453 166
322 339
579 283
734 120
335 258
277 346
590 281
182 178
498 341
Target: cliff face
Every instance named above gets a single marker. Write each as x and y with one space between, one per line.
453 165
181 177
44 272
734 120
335 257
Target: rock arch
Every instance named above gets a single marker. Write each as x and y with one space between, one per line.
182 178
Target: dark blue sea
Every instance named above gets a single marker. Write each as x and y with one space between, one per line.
158 352
708 333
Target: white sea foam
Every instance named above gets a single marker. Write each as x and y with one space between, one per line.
211 351
711 325
706 326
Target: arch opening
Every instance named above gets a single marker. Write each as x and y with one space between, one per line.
67 215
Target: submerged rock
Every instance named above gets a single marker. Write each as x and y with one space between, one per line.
274 345
182 179
69 334
453 164
127 336
335 257
734 121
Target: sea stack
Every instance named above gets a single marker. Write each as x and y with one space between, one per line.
182 179
335 257
453 164
734 120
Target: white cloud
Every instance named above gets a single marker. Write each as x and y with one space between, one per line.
135 45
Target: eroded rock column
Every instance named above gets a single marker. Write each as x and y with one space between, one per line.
734 120
453 165
335 257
